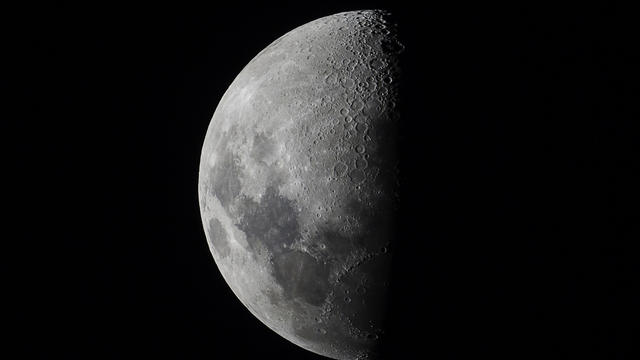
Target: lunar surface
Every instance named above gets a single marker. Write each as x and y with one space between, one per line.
298 182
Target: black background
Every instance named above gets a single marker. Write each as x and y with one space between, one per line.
519 198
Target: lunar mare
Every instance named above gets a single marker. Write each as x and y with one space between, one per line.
298 182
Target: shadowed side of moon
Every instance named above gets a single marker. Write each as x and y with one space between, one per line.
298 182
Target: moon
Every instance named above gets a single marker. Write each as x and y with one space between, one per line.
298 182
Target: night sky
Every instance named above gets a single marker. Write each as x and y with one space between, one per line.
519 199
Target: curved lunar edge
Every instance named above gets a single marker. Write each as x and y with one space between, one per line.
298 182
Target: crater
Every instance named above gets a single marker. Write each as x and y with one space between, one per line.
361 119
362 127
357 105
372 108
361 163
357 176
347 82
340 169
377 64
